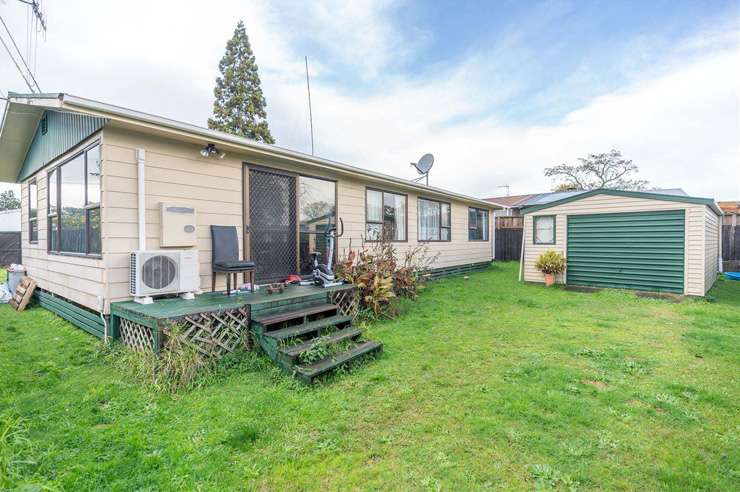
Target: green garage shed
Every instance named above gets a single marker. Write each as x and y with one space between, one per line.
630 240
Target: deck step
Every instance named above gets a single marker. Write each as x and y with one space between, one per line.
298 330
308 372
344 334
283 316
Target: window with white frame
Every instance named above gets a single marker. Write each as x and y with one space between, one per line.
74 204
385 216
544 229
434 220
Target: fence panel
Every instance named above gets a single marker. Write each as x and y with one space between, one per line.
509 238
10 248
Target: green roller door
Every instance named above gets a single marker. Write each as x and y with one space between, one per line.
640 250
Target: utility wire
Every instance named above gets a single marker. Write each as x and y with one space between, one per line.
38 89
20 70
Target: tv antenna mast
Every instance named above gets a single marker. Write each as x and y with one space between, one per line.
423 167
508 193
310 112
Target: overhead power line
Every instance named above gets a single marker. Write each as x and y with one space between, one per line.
30 73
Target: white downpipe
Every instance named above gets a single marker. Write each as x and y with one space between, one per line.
141 195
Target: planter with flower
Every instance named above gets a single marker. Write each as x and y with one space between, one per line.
550 263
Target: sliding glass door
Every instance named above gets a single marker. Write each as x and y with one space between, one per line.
317 210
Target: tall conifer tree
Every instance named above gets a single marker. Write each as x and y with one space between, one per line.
239 107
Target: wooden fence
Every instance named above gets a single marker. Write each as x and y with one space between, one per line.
730 243
509 238
10 248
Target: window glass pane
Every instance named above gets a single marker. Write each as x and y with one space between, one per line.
72 205
428 220
33 231
374 206
33 200
544 230
477 224
53 238
483 224
317 212
93 175
445 234
394 217
93 230
445 214
373 232
52 191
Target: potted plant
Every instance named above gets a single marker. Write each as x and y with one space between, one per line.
550 263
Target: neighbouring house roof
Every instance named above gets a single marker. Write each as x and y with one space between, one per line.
10 220
23 113
732 208
678 195
508 201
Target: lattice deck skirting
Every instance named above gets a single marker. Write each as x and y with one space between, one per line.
136 336
348 301
213 333
217 333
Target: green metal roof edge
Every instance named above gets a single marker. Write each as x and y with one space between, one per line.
632 194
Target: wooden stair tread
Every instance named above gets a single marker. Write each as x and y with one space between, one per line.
295 350
298 330
280 317
310 371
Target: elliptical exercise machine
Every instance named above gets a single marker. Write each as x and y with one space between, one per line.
322 273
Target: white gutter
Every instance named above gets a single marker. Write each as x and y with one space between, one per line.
141 196
89 106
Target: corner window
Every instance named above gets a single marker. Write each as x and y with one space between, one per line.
434 220
33 212
385 216
544 229
477 224
74 205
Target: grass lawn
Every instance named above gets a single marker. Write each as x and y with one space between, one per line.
485 383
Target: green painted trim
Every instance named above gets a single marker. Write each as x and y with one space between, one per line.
64 131
82 318
630 194
554 229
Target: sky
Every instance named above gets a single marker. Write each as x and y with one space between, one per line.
497 91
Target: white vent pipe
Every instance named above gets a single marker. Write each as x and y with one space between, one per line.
140 191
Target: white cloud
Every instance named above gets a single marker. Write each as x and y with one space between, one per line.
678 118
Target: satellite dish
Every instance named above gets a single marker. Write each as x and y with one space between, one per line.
425 164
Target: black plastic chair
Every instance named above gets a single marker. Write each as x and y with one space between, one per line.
225 259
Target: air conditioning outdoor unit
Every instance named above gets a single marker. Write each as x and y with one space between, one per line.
163 272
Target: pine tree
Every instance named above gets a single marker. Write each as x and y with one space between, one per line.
239 107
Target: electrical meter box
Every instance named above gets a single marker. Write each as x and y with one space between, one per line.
179 228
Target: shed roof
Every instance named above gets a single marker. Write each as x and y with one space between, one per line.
649 195
24 111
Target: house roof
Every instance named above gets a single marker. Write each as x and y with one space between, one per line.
730 207
23 114
523 201
650 195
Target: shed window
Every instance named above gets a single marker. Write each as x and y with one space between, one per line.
544 229
434 220
477 224
33 212
385 216
74 205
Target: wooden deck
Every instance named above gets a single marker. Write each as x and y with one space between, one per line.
218 301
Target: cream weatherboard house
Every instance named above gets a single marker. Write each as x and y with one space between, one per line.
93 174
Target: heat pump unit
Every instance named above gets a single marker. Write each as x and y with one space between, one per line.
163 272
